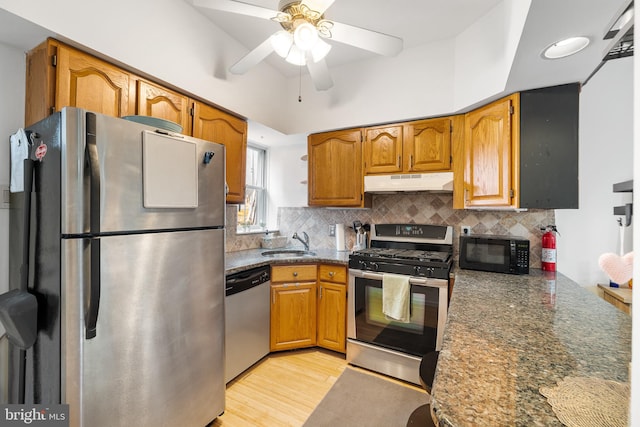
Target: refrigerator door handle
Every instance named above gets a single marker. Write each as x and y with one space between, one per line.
93 163
91 315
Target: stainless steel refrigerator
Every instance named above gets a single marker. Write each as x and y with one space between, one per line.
127 266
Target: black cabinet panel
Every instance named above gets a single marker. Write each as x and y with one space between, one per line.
549 147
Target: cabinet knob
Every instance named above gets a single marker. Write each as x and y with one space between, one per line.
295 274
331 274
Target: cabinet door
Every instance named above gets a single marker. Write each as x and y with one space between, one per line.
293 315
383 150
335 169
215 125
489 155
160 102
332 316
40 82
427 145
84 81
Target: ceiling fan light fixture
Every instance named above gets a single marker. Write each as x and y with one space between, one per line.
281 42
566 47
296 56
305 36
320 50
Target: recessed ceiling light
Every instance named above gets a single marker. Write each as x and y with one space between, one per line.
565 47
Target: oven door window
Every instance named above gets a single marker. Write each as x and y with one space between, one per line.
417 337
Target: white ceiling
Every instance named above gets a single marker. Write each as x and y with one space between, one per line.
417 22
20 33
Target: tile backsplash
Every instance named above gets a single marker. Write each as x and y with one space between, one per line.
419 208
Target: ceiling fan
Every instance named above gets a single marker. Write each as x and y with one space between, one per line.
301 40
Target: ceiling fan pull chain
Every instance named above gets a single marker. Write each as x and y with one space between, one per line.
300 84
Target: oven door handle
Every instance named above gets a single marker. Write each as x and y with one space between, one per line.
412 280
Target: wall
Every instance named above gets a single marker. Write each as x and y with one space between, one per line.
287 167
12 72
606 147
166 39
189 52
422 208
485 51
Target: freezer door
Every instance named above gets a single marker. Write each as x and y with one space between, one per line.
132 177
157 358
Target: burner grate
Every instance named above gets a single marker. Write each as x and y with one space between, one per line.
406 254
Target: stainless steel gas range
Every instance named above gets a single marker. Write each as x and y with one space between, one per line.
421 253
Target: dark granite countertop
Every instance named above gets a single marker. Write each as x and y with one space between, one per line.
506 336
244 260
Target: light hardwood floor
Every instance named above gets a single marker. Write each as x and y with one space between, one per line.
283 389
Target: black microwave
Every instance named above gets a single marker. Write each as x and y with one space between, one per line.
500 254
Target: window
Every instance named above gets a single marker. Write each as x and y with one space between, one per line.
252 214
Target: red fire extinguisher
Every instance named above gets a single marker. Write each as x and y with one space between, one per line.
549 253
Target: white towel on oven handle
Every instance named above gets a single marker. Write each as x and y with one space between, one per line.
396 297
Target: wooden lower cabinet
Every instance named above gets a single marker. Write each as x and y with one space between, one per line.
332 307
293 306
308 306
293 315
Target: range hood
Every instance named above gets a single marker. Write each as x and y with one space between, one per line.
435 181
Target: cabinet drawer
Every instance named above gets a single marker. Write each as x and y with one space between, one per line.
298 273
332 273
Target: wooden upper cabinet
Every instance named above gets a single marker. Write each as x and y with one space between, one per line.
427 145
60 76
215 125
87 82
160 102
40 82
335 169
491 154
383 149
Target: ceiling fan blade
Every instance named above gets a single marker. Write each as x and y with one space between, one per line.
319 6
236 7
252 58
319 73
372 41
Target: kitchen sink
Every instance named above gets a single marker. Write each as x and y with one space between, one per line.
287 253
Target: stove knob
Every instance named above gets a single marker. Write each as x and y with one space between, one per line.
417 269
362 264
375 266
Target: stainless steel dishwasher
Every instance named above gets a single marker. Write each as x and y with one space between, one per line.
247 319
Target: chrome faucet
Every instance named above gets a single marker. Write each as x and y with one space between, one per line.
304 241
